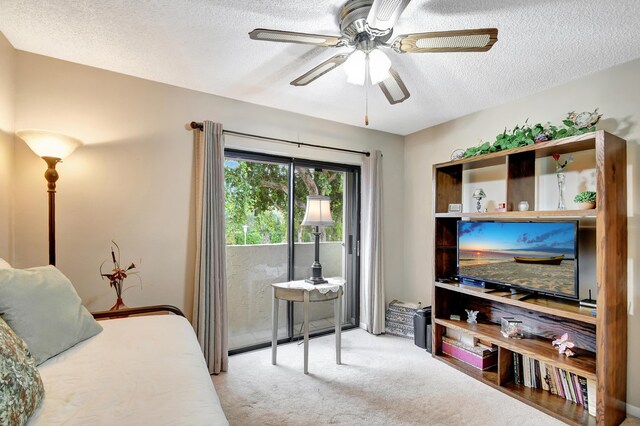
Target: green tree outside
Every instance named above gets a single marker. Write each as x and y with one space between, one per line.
257 196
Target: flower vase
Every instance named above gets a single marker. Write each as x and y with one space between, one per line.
119 305
561 177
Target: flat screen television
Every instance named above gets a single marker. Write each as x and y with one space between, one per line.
536 256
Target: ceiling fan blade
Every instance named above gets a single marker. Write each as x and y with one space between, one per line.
383 16
292 37
320 70
478 40
394 89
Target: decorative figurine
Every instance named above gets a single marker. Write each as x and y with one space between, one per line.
478 195
564 345
472 316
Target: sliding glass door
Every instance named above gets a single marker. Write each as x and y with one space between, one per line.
336 242
266 243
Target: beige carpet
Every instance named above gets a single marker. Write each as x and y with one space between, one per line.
384 380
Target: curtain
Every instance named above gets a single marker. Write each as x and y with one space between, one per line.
210 292
373 302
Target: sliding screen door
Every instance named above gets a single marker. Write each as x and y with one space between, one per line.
266 243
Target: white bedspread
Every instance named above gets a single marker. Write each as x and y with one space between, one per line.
145 370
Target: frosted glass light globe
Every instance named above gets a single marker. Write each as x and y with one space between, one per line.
355 67
379 65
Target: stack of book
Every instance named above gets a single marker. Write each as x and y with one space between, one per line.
470 350
535 374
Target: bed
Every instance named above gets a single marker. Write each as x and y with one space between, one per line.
140 370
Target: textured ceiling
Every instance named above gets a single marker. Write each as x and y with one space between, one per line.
203 45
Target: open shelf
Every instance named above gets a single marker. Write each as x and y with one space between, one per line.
583 364
553 405
542 149
488 376
558 307
523 215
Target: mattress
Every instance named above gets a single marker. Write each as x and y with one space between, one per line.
146 370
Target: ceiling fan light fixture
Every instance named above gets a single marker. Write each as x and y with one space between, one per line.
355 67
379 65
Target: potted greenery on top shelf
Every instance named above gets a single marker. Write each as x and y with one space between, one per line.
574 124
585 200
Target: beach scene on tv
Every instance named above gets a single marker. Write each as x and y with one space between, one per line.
537 255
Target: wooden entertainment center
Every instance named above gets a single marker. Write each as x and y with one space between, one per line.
601 338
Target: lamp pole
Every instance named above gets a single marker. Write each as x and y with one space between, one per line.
245 227
316 267
51 175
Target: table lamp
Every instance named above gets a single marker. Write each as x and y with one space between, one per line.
52 148
318 214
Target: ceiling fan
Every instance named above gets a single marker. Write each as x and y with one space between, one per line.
366 26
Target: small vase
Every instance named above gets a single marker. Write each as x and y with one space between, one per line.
561 177
119 305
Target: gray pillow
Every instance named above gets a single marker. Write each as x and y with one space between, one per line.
41 306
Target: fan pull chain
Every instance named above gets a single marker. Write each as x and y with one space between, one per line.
366 90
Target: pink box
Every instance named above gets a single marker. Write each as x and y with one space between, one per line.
474 360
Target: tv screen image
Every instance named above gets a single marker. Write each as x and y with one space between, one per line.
538 256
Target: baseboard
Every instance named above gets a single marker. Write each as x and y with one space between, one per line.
363 326
633 410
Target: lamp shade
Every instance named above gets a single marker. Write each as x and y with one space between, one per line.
49 144
318 211
478 193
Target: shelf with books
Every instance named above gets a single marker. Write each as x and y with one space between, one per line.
541 349
534 374
551 404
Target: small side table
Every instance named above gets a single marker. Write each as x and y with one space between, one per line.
301 291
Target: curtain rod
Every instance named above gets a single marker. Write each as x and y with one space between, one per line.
195 125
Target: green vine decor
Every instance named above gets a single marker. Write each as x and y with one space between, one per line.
574 124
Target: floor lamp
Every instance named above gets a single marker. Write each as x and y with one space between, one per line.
318 214
52 148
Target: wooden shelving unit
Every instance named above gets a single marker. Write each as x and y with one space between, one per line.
601 339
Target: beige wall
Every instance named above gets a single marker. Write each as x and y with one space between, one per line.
132 181
7 107
616 91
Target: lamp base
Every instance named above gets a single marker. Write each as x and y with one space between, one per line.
316 281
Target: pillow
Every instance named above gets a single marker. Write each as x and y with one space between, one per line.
41 306
4 264
21 388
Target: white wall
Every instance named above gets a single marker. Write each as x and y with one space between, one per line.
132 181
7 108
616 91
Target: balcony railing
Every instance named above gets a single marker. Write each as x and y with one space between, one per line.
251 269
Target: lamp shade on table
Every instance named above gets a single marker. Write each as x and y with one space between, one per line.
318 211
